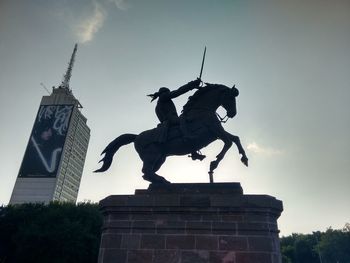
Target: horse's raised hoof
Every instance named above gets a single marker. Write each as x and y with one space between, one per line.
196 156
244 160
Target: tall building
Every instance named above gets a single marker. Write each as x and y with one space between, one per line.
53 162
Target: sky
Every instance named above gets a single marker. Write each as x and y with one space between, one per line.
290 60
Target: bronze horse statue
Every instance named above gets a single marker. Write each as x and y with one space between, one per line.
203 124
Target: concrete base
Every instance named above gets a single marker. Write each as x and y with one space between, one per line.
190 223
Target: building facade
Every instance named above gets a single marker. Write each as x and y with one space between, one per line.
53 162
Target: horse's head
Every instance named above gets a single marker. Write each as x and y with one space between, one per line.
212 96
228 101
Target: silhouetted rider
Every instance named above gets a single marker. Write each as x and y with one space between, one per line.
167 114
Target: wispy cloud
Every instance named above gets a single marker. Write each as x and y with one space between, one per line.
121 4
88 27
255 148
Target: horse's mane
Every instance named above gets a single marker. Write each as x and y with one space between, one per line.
201 91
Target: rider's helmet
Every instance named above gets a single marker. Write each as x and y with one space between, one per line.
163 90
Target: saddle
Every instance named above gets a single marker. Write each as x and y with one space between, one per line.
162 136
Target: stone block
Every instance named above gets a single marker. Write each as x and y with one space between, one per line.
139 209
256 218
180 242
152 241
146 226
115 200
197 227
260 244
114 256
233 243
170 227
198 256
190 217
143 216
131 241
167 216
166 200
111 240
273 227
142 200
195 200
253 257
214 216
167 256
119 216
247 228
226 201
118 224
263 201
138 256
224 228
232 217
222 256
205 242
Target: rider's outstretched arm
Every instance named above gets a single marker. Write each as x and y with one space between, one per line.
185 88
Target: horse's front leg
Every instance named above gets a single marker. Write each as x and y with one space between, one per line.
227 138
237 141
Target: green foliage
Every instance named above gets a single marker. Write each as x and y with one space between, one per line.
332 246
298 248
304 252
58 232
335 246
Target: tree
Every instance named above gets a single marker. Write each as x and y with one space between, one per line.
303 249
335 245
332 246
287 248
58 232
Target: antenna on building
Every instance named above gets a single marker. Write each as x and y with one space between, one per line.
67 76
42 84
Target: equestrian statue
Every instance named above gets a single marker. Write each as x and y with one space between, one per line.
196 127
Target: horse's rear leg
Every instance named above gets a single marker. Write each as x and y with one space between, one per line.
150 167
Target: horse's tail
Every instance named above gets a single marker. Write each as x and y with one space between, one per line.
112 148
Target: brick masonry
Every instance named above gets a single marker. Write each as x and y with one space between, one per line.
190 223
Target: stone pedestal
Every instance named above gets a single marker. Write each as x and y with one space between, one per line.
190 223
